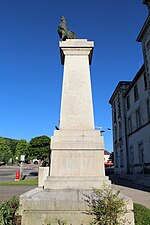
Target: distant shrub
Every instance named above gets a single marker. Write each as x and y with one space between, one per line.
8 210
106 206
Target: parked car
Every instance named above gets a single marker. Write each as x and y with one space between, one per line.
27 161
109 170
2 163
35 161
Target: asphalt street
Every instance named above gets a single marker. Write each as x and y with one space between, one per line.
8 173
6 192
139 193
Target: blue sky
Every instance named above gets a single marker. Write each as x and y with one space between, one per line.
30 68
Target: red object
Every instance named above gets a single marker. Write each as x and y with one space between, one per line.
17 176
108 164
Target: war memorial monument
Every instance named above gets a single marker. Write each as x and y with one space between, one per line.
77 149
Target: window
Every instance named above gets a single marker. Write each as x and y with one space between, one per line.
128 102
129 125
145 80
141 152
116 159
119 108
131 156
120 130
114 115
121 158
115 133
138 119
148 45
148 108
136 96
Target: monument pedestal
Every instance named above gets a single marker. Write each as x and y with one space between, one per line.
80 160
77 156
43 207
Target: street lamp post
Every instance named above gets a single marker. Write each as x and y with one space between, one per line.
22 158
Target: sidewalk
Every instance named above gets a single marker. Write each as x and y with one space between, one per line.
132 186
140 179
6 192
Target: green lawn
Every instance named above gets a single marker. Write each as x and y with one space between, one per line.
33 182
141 215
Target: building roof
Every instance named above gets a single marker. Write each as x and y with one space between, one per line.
146 1
106 152
144 29
117 89
129 83
139 73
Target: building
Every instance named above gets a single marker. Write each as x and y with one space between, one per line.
131 114
106 156
107 162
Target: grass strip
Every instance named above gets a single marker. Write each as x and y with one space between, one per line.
141 215
32 182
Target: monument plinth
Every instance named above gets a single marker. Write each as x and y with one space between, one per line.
77 149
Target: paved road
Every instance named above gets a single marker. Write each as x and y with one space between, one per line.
8 173
6 192
138 196
138 193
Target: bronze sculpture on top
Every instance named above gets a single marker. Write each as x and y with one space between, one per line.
147 2
63 31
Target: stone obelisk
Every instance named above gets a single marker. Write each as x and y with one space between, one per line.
77 159
77 156
77 149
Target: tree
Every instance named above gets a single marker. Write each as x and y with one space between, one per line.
22 148
12 143
111 157
39 147
5 152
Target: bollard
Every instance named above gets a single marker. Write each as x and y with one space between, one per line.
17 176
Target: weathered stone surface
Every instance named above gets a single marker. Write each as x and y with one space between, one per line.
77 148
77 153
76 103
41 207
42 175
76 182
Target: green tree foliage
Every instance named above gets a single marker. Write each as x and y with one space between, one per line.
22 148
39 147
12 143
111 157
5 152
